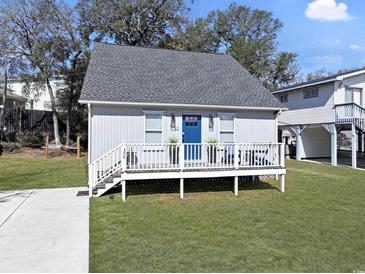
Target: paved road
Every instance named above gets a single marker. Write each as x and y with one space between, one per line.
44 231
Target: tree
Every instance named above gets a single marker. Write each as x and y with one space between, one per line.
9 63
74 68
41 40
249 35
132 22
318 74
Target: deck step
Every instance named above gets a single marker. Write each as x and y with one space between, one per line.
106 186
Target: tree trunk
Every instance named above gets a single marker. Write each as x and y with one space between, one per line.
54 113
68 131
3 110
71 94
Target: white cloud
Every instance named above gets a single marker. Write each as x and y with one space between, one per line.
357 47
331 60
327 10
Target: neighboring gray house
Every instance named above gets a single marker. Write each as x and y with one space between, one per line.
156 113
319 110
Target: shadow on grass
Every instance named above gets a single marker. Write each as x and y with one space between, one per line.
167 186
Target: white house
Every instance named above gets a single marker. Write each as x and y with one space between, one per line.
161 114
13 100
319 110
38 99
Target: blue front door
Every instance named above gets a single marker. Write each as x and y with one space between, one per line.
192 135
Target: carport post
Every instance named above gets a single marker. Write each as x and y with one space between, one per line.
353 145
334 145
332 130
298 134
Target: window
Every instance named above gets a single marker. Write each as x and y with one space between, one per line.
226 131
153 127
310 93
284 98
353 95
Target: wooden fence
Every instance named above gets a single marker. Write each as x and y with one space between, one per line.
17 121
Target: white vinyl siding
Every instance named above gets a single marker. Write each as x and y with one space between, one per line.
112 125
153 128
309 111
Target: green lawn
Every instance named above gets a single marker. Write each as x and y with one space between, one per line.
318 225
27 173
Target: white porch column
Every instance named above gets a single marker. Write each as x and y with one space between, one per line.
181 188
334 146
236 186
353 146
282 183
331 128
123 183
298 134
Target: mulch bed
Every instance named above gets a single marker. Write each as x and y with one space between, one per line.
39 153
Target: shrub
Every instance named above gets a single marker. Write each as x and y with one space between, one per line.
31 139
9 146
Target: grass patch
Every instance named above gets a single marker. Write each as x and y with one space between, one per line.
28 173
316 226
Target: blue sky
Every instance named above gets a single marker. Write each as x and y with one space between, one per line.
326 34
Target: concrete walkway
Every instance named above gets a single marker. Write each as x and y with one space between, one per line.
44 231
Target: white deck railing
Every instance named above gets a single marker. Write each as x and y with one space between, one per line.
351 113
180 157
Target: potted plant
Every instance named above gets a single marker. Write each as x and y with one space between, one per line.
173 150
212 150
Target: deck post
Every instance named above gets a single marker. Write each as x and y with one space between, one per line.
181 188
236 186
353 145
124 185
282 183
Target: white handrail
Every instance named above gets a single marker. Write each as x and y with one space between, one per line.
351 113
131 157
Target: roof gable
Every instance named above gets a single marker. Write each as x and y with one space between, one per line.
147 75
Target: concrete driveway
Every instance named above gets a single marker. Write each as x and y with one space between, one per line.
44 231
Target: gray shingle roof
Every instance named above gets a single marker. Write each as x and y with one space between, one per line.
146 75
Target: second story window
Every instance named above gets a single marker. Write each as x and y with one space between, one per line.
284 98
310 93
